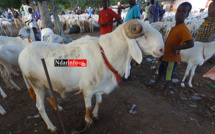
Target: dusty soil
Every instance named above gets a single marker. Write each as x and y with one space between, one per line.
175 114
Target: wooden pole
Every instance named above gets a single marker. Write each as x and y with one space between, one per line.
50 86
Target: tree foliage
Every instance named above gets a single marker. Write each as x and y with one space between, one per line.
64 4
11 3
84 4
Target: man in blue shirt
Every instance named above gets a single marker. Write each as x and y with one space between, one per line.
134 12
157 9
90 11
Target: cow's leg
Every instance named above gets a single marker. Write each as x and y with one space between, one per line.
8 69
88 105
189 66
40 97
96 109
30 90
2 93
2 111
4 76
191 76
51 100
15 73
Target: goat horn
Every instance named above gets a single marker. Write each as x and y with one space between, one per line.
133 29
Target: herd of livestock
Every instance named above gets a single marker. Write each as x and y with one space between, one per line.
127 40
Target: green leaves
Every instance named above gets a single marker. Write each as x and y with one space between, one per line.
10 3
65 4
84 4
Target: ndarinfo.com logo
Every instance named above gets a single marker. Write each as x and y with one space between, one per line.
70 62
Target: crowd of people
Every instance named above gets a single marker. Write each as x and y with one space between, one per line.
79 11
153 12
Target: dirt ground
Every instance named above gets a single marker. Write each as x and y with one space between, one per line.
179 113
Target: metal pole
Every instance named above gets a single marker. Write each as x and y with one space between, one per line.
50 85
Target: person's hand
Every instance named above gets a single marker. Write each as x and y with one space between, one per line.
176 51
107 23
101 25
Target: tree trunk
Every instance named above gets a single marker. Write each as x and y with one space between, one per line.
71 8
44 15
57 21
77 4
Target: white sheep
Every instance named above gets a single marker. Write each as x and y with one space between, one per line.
8 59
6 53
92 24
7 25
45 33
10 50
9 56
16 41
48 35
195 56
2 30
129 40
55 38
26 32
80 23
10 41
157 25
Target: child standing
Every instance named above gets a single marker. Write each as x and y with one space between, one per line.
178 38
106 18
32 23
